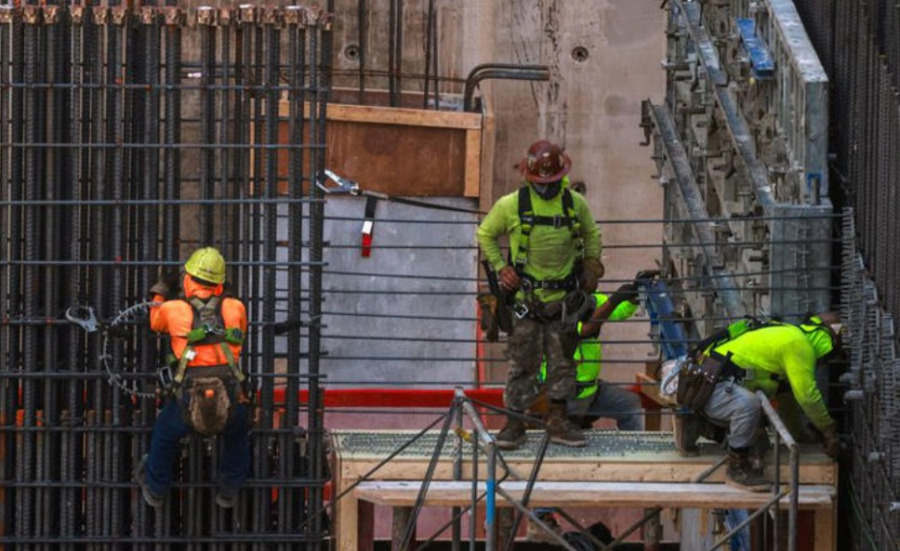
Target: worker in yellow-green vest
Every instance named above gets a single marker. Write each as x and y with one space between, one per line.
595 398
779 359
553 265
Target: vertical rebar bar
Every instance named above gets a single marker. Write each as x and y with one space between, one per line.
260 499
172 155
270 222
207 128
11 60
296 74
318 98
25 466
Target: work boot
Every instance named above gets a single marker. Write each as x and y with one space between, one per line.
140 475
512 435
759 450
740 473
561 429
687 432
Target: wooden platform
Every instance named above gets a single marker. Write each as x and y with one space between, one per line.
615 469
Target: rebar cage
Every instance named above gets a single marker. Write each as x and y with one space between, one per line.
859 47
122 150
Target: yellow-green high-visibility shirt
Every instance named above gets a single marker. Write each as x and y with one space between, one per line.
552 252
785 352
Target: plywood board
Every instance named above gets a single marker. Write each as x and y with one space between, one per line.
397 151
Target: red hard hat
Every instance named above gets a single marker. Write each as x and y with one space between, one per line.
546 162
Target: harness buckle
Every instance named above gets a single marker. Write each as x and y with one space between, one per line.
520 309
164 377
557 221
211 329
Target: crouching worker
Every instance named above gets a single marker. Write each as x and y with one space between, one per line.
771 357
207 391
594 398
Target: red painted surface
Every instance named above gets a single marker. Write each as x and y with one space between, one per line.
396 397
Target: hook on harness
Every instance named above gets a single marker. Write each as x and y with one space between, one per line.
83 316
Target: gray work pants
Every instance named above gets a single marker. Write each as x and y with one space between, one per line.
736 408
610 401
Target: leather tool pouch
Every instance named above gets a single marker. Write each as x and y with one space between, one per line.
697 381
548 311
208 399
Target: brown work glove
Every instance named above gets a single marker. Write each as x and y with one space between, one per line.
591 272
832 441
509 279
166 285
628 292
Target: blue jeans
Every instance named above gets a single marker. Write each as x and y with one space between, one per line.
170 427
610 401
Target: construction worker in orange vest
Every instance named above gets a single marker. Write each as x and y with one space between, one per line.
206 390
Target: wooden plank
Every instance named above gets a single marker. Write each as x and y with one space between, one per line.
399 521
365 526
401 116
592 494
599 471
404 117
472 170
825 530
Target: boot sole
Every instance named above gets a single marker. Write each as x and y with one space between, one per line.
568 443
510 445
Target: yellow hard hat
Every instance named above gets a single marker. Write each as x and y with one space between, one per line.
206 264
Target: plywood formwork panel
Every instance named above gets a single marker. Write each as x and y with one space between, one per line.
399 151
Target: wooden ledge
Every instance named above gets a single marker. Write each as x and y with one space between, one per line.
592 494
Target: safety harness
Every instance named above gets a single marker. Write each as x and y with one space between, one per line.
208 327
207 395
528 220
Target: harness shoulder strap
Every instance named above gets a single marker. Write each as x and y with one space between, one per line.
733 331
528 220
208 327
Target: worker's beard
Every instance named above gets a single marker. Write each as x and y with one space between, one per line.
547 191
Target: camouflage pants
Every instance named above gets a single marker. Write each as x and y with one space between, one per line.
530 342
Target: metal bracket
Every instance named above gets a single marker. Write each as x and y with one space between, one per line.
760 59
344 185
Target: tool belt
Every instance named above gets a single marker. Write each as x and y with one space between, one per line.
696 381
208 397
569 283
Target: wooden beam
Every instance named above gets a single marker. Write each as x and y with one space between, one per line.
472 170
592 495
825 530
667 469
393 115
